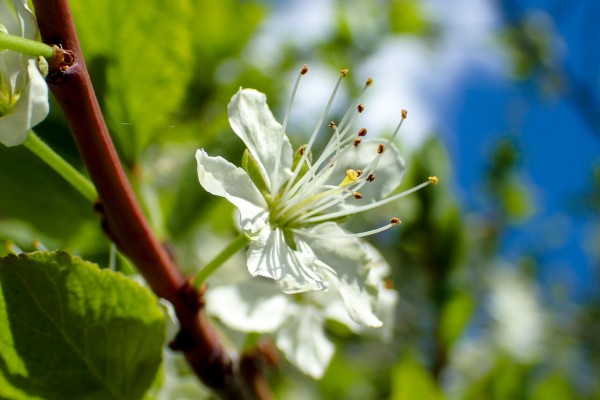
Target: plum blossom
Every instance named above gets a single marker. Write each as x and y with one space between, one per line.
297 323
290 204
23 90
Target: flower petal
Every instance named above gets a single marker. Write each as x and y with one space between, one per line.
388 174
30 110
219 177
29 27
304 343
250 306
270 256
345 264
252 120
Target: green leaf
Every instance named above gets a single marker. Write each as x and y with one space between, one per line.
53 211
412 381
554 386
69 330
140 55
456 314
407 16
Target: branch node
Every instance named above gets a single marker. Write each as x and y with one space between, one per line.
61 64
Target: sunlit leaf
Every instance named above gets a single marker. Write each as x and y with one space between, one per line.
69 330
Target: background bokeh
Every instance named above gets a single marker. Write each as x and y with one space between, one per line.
497 266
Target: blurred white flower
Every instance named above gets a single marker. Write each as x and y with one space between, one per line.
290 204
23 90
518 314
178 381
297 322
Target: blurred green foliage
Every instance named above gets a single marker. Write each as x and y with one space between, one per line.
164 73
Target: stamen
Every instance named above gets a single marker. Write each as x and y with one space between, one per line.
323 203
380 148
369 81
371 178
345 236
332 125
356 142
355 103
301 150
357 195
362 132
366 207
335 147
395 221
274 184
314 133
403 114
359 172
434 180
344 72
360 108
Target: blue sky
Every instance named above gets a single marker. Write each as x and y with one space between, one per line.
558 149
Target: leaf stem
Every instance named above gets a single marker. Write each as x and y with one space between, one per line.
236 245
62 167
25 46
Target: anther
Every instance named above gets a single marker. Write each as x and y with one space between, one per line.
395 221
360 108
388 284
344 72
371 178
359 172
357 195
304 69
362 132
369 81
403 113
332 125
356 142
380 148
301 150
434 180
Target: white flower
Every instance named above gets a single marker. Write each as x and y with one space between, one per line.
23 90
289 204
518 313
296 323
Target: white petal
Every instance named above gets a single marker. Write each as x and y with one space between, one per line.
250 306
27 19
387 299
18 19
252 120
346 265
9 18
221 178
388 173
270 256
387 304
304 343
38 94
30 110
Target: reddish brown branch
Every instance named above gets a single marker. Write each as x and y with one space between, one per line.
123 219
